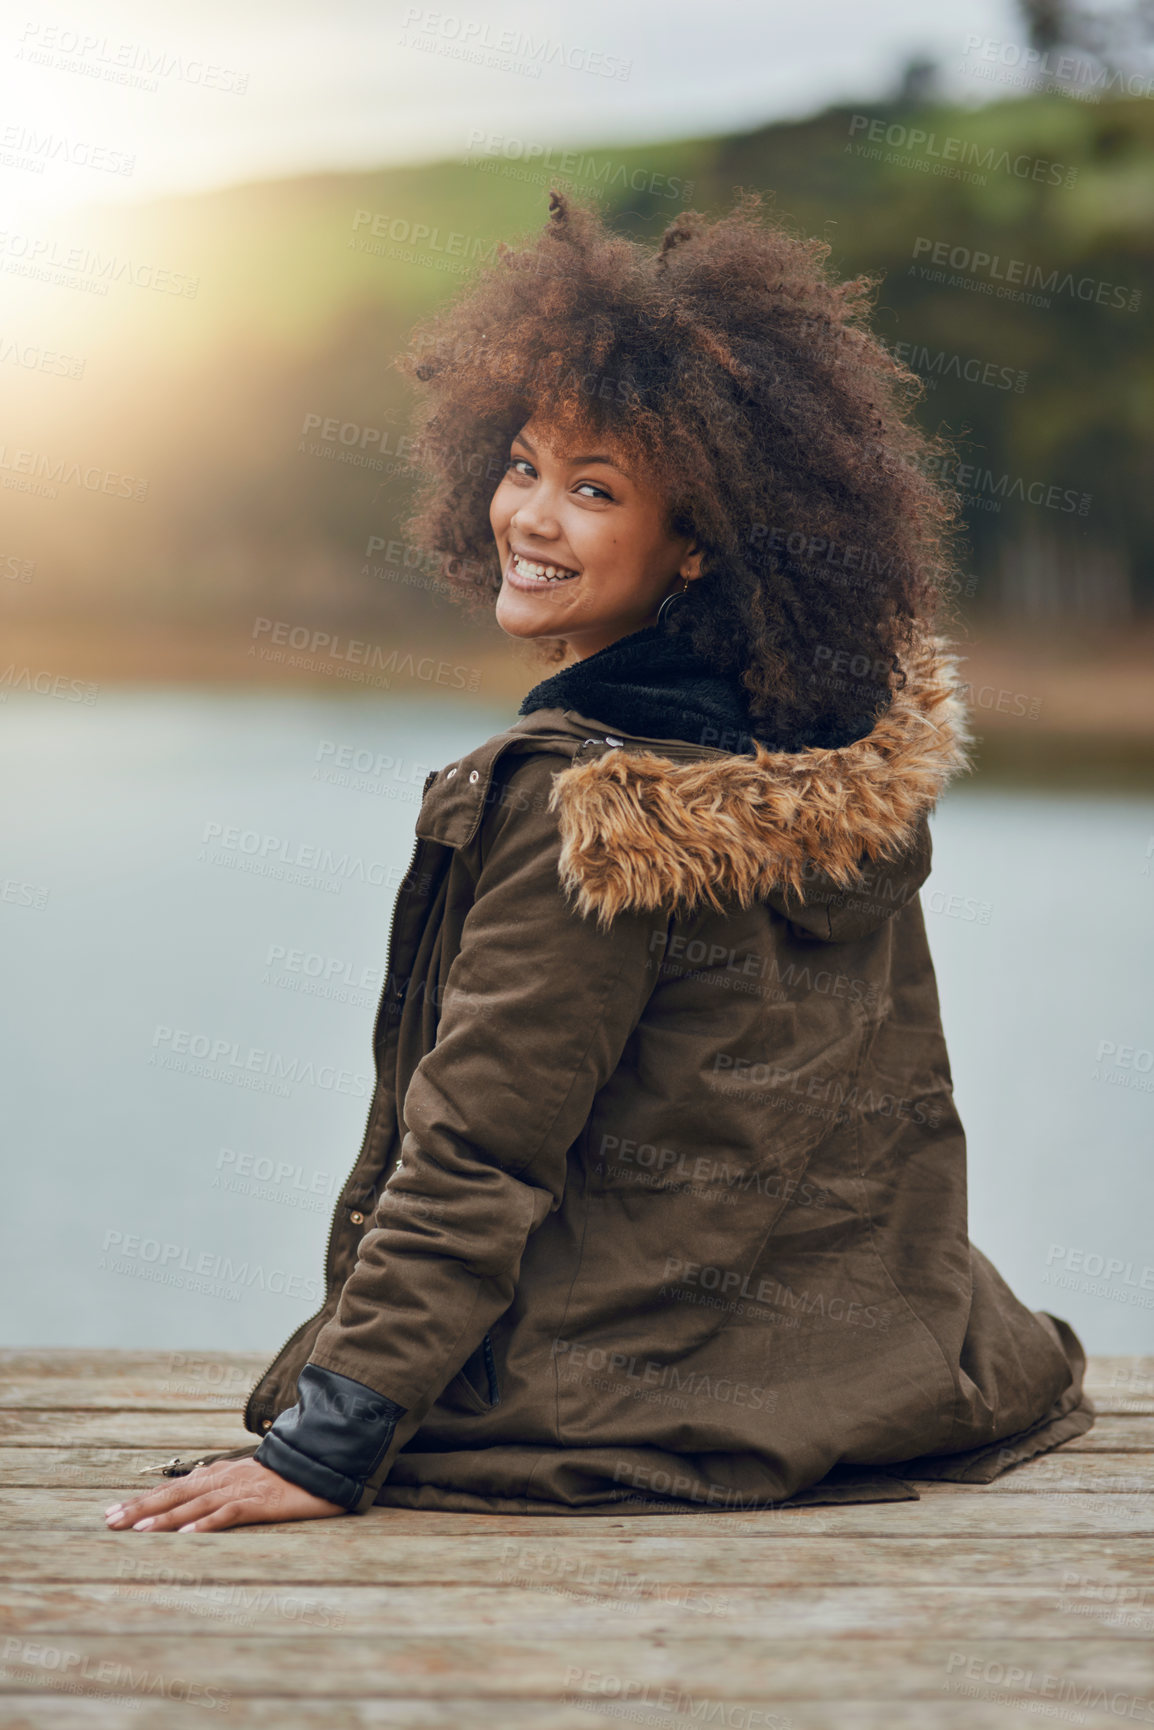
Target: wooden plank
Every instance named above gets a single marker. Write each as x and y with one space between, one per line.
167 1432
1115 1433
190 1379
715 1667
80 1364
216 1387
77 1496
1121 1384
464 1712
1115 1402
71 1468
152 1598
226 1388
165 1394
28 1464
1137 1364
180 1430
1048 1572
376 1550
1063 1473
947 1510
170 1386
77 1362
182 1394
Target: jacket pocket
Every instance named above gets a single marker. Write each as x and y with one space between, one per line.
475 1383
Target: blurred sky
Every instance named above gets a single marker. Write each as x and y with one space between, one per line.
357 83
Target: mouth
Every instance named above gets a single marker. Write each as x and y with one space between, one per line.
526 573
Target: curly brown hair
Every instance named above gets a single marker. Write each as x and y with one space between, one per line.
737 375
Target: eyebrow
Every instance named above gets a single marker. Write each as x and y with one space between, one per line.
574 462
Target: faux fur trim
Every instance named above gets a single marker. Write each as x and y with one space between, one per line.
642 832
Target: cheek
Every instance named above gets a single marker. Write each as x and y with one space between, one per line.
594 536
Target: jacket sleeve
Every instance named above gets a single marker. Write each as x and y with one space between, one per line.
537 1010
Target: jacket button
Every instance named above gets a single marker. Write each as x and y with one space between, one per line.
449 773
357 1218
266 1423
610 740
474 775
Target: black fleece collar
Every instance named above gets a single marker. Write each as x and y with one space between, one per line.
652 682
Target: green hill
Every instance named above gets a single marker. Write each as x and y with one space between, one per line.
1014 245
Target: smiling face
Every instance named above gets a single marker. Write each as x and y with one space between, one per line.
586 550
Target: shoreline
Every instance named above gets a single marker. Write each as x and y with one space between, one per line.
1055 712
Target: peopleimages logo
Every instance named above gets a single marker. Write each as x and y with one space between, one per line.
1013 272
648 1373
1036 69
933 364
476 41
229 843
207 1273
46 684
222 1055
731 1283
315 648
27 148
70 1672
914 142
570 165
138 65
37 254
25 466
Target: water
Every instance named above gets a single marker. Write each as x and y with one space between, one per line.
151 1207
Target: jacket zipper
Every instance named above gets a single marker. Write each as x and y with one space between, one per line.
669 748
680 750
634 738
298 1331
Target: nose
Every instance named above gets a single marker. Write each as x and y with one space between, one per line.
535 518
533 529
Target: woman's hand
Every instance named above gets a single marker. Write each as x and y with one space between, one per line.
210 1498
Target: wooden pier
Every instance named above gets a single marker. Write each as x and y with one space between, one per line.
1026 1601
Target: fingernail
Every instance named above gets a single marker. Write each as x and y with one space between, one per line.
191 1527
142 1525
116 1508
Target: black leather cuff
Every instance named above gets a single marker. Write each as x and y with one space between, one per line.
333 1439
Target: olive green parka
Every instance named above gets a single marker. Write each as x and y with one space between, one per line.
662 1196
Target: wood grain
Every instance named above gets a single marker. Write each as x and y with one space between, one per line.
975 1608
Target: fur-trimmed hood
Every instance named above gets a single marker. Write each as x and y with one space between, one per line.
644 829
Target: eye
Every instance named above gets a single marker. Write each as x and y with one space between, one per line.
599 491
517 465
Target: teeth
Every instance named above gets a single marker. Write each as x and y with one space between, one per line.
546 573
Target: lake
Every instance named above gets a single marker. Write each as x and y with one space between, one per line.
138 926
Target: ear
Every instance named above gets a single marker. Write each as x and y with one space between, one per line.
690 566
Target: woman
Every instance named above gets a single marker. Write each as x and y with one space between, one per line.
662 1198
